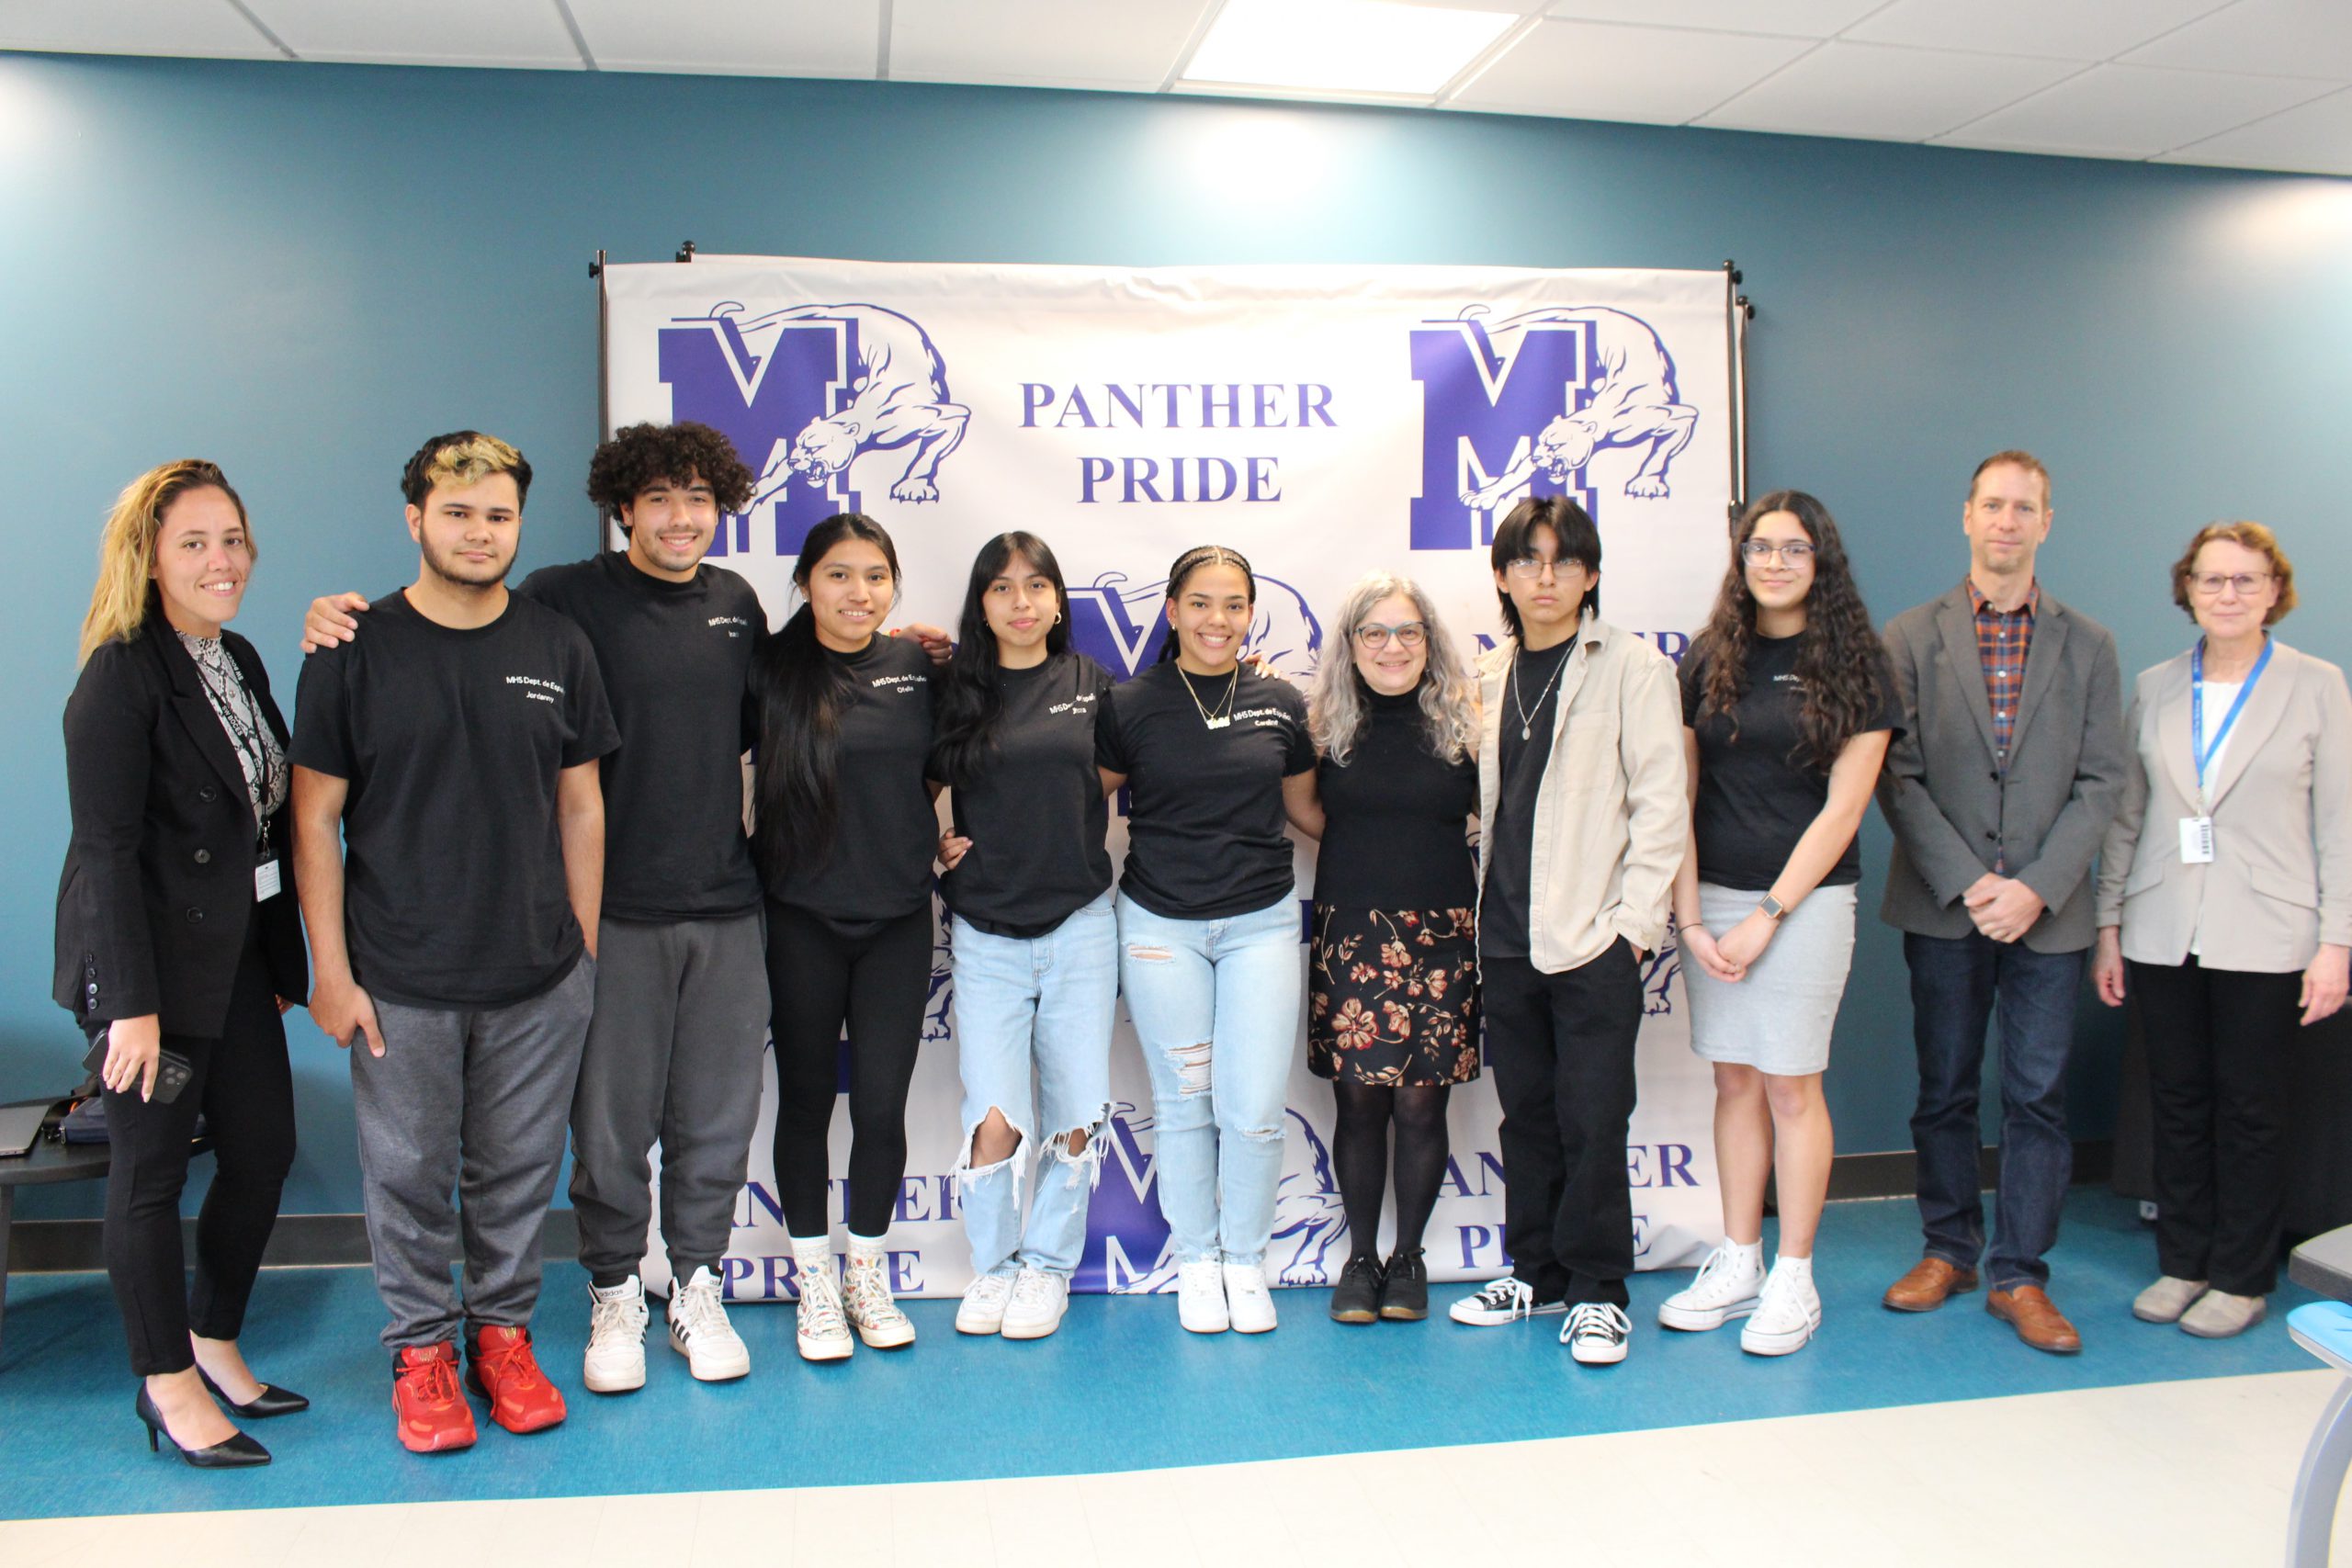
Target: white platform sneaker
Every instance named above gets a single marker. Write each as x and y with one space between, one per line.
866 1301
616 1359
1788 1311
699 1330
1727 1288
818 1324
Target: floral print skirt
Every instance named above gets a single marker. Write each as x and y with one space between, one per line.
1392 996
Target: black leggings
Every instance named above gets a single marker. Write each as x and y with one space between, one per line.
242 1084
878 985
1360 1155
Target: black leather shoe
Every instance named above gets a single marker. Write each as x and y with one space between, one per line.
1356 1298
269 1402
235 1454
1405 1288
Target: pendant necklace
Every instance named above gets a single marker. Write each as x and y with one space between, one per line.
1526 723
1222 719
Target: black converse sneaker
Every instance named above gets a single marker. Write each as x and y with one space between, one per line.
1596 1333
1503 1300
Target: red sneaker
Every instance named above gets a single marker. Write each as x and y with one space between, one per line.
429 1409
503 1371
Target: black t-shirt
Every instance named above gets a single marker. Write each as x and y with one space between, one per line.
1759 793
1396 817
452 740
1531 697
674 657
886 832
1204 818
1036 813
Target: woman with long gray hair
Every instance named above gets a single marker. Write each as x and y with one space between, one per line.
1393 1011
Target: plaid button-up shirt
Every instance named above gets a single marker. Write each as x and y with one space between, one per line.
2002 639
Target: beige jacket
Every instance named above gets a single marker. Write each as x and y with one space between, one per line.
2280 880
1611 816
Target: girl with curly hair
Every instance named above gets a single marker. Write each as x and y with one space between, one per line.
1788 707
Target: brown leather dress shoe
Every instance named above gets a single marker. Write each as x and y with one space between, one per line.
1929 1282
2029 1310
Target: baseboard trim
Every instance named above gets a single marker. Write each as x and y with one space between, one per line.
312 1241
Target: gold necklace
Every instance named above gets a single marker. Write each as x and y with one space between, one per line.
1225 714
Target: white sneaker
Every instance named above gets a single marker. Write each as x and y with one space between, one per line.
1726 1288
866 1301
1596 1333
1249 1302
699 1330
1788 1309
616 1359
1039 1299
1200 1296
1502 1301
822 1331
983 1308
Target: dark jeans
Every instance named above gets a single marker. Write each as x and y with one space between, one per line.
818 981
242 1084
1957 984
1562 1049
2219 1042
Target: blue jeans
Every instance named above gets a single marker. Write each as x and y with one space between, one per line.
1216 1005
1033 1029
1956 984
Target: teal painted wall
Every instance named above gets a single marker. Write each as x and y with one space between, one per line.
302 271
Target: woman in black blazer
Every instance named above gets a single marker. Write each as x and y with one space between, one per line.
178 944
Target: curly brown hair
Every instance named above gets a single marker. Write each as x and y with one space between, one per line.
1838 655
2253 536
644 456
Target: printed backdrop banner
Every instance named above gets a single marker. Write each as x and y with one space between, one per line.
1326 420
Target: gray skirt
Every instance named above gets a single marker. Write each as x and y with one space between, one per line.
1777 1019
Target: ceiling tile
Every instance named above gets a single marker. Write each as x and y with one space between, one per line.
424 33
2133 111
2316 139
2068 30
1055 43
1786 18
2286 38
1597 71
208 28
751 37
1872 91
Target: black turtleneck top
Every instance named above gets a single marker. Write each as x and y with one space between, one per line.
1396 816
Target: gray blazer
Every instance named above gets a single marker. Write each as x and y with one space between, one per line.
1952 809
2280 880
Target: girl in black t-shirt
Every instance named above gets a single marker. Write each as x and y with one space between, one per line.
1034 939
1787 707
1219 758
845 843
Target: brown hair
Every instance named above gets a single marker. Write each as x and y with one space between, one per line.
127 548
2253 536
2026 460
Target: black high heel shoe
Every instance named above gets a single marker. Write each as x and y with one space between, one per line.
271 1401
235 1454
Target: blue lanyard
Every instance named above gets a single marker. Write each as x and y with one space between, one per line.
2199 750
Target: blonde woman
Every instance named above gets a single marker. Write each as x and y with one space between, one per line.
1392 1009
178 941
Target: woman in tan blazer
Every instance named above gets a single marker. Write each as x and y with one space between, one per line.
2225 894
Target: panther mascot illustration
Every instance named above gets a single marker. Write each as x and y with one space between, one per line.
897 403
1634 405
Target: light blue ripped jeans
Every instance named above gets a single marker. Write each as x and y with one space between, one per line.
1033 1029
1216 1005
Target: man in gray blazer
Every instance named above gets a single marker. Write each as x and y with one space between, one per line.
1999 786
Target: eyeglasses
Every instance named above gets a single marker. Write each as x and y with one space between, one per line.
2209 584
1795 552
1374 636
1527 569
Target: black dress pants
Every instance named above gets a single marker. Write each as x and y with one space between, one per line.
877 985
1561 1050
243 1086
2220 1044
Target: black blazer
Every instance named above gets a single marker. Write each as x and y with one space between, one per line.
158 885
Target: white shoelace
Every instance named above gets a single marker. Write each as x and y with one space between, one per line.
1249 1282
697 1309
1508 1294
865 1285
1598 1320
1032 1292
990 1290
820 1307
1718 1273
1202 1274
618 1317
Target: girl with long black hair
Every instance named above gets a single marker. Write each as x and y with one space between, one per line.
845 837
1219 757
1788 707
1032 933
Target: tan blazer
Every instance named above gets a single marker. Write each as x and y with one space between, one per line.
2280 880
1611 814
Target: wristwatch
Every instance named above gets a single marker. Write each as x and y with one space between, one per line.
1773 908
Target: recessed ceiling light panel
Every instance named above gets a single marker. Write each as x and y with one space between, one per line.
1343 46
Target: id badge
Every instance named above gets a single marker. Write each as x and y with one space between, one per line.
2196 840
266 887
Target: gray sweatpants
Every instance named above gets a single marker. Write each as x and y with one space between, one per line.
673 1052
473 1101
